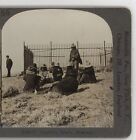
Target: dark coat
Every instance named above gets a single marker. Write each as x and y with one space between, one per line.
88 75
32 82
57 73
9 63
43 68
71 72
74 55
68 85
34 68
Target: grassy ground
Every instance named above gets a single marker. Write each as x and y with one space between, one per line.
91 106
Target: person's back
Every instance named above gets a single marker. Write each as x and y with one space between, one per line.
71 72
43 68
88 75
57 73
31 79
69 83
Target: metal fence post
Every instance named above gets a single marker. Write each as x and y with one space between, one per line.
104 53
50 52
83 58
24 56
100 59
77 44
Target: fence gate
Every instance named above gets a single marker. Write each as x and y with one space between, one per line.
28 57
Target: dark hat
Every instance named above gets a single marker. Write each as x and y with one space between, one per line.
52 63
73 46
31 68
34 65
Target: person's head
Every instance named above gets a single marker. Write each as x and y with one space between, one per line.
89 63
58 64
73 46
44 65
52 64
34 65
7 56
30 70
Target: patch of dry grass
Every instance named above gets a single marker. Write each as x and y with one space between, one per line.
91 106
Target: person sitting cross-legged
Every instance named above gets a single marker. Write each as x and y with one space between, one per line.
32 80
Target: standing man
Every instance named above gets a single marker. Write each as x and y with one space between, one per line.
9 64
75 58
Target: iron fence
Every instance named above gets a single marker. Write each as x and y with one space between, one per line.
98 54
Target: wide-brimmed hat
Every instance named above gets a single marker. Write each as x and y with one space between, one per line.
73 46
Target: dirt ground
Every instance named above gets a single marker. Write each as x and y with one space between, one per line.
91 106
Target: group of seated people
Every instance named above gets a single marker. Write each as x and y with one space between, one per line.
64 83
35 77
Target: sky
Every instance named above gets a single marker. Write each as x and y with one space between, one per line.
42 26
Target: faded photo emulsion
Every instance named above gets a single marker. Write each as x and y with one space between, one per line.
57 70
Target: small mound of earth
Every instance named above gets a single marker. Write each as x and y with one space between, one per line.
11 92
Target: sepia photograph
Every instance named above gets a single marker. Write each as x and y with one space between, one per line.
57 70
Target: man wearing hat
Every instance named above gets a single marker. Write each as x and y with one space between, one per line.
75 58
57 72
9 64
32 79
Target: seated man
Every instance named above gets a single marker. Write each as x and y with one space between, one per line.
87 75
71 72
57 72
44 70
43 74
31 79
34 68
